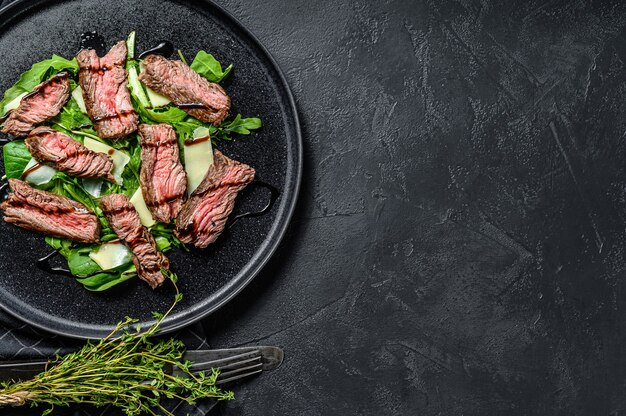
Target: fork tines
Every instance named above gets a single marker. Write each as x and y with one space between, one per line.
234 367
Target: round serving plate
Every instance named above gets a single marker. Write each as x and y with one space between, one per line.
33 30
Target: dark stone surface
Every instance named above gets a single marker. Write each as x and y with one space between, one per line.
459 244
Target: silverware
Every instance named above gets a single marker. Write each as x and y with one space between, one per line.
234 363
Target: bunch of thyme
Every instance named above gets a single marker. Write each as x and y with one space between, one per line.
129 371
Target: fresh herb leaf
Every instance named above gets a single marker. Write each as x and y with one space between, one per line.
16 157
241 125
128 369
35 75
206 65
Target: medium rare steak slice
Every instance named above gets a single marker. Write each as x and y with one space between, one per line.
191 92
163 179
66 154
44 102
124 220
203 217
49 213
106 94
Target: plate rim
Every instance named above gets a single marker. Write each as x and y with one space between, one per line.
293 184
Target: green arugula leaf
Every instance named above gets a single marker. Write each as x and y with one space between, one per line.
241 125
35 75
169 114
206 65
16 157
71 117
59 244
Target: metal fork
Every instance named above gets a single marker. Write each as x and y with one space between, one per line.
234 363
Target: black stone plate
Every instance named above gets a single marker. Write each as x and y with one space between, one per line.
32 30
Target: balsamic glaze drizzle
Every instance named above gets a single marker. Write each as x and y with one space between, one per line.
192 106
93 40
44 264
165 49
4 191
274 194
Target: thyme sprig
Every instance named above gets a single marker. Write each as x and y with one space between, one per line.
129 371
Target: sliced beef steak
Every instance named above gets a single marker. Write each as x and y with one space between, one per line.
44 102
203 217
163 179
50 214
124 220
200 98
66 154
105 90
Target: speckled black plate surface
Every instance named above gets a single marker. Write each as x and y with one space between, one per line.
33 30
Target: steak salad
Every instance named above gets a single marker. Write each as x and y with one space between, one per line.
112 159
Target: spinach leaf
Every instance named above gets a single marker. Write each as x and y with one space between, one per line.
105 280
163 244
241 125
79 262
35 75
16 157
206 65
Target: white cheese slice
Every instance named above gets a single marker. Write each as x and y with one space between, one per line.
120 159
156 99
198 158
14 103
41 175
93 186
111 255
142 209
77 94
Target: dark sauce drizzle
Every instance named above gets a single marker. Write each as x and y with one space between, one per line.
44 264
30 170
93 40
4 191
165 49
192 106
191 142
274 194
112 116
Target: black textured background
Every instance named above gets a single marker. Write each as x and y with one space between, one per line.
459 244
